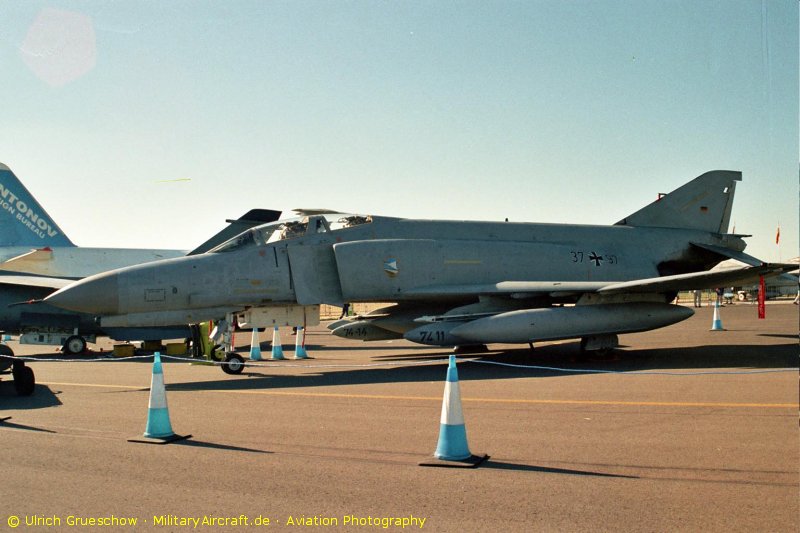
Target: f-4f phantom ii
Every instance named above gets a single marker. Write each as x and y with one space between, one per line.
451 282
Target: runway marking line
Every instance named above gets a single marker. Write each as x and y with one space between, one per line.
463 399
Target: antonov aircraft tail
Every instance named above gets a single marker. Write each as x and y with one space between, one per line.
703 204
23 222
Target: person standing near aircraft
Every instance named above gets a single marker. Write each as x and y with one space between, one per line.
720 291
698 297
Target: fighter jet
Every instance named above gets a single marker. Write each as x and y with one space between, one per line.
450 283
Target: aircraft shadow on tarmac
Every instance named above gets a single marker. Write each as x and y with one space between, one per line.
144 356
780 335
548 470
567 356
214 445
6 423
554 357
42 397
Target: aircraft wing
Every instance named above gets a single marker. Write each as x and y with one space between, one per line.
35 281
527 289
699 280
512 289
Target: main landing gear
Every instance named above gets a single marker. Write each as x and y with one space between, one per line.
74 345
599 347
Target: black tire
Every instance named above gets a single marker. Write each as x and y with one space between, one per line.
6 363
234 364
24 380
74 345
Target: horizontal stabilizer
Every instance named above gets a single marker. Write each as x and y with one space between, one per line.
703 204
730 254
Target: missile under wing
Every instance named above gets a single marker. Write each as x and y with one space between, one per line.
450 282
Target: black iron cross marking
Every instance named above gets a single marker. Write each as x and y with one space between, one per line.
596 258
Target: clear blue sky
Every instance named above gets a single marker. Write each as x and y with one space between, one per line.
542 111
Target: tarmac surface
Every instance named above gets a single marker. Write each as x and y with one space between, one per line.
678 438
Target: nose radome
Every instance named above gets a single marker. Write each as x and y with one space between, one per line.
98 295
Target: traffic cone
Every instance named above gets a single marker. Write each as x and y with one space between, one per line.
716 324
277 349
300 344
452 447
255 346
158 429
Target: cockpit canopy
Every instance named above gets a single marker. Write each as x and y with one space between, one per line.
292 228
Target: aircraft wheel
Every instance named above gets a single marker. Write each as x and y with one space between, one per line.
5 363
235 364
24 380
74 345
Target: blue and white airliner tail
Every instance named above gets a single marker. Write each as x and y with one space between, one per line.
32 243
23 221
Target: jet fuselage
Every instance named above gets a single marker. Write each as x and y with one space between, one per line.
389 259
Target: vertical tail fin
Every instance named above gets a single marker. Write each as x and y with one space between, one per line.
23 222
703 204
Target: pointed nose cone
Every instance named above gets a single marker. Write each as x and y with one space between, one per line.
97 295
